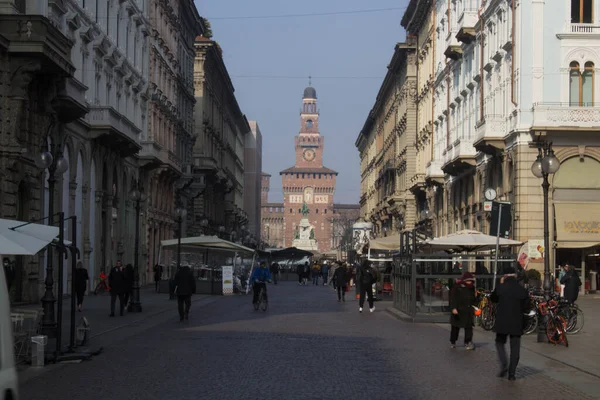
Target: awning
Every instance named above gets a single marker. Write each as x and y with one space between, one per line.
24 238
386 243
206 243
577 224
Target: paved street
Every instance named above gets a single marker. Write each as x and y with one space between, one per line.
306 346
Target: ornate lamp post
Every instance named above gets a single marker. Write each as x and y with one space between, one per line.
136 195
546 164
221 231
204 224
180 213
56 165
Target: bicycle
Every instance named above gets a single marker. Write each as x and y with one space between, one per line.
101 287
487 318
572 314
262 302
556 326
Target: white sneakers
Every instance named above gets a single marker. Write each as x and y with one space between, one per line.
372 309
359 309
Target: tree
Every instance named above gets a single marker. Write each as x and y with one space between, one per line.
342 228
207 28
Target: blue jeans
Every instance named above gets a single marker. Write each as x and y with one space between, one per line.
316 280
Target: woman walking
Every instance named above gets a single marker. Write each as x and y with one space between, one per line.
80 284
462 300
572 284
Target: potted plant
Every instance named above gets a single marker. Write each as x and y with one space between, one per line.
533 278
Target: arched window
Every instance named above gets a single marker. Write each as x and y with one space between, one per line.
309 124
581 85
582 11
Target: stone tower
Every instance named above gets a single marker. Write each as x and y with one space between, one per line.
309 181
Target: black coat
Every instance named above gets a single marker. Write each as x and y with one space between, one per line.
341 276
572 283
463 299
116 281
185 284
367 275
80 280
512 300
129 277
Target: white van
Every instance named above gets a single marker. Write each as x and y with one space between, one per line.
8 372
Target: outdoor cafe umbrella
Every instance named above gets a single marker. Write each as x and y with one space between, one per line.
23 238
467 240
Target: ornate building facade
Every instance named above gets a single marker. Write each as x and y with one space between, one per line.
387 147
218 156
253 178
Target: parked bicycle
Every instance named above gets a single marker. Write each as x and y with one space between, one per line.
487 318
571 313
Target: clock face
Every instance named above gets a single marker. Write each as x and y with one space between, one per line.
490 194
309 155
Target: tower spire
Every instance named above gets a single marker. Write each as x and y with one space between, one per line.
309 80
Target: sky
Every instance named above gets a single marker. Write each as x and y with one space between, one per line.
270 59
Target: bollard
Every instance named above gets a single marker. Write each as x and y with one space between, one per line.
38 350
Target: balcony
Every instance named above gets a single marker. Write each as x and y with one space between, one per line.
33 37
417 183
558 116
111 129
588 31
459 157
490 134
453 48
70 99
433 172
205 163
150 154
466 26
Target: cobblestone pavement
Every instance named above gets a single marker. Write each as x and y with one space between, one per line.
306 346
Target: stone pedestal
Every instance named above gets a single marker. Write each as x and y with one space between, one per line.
305 239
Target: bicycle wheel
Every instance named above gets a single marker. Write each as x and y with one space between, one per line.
257 304
488 317
264 304
556 330
531 324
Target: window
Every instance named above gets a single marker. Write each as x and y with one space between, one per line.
317 211
291 211
581 11
581 84
309 124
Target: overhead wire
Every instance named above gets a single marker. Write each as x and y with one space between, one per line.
304 15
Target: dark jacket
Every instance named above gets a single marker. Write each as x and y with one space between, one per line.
368 275
512 300
300 269
129 276
572 283
157 272
274 268
80 280
315 271
341 276
9 273
185 284
463 299
116 281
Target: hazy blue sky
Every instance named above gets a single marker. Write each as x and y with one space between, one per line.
326 47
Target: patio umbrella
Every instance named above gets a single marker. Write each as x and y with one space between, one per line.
22 238
467 240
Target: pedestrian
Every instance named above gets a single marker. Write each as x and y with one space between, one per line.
315 274
511 299
80 284
185 287
300 272
129 278
158 269
366 277
462 300
9 272
118 287
306 273
324 272
275 272
572 284
341 281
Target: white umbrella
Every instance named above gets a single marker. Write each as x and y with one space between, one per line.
468 240
22 238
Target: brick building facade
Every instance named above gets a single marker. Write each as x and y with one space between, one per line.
308 181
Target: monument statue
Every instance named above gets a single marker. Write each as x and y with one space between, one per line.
304 210
312 234
297 234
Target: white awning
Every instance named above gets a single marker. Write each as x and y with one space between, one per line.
206 243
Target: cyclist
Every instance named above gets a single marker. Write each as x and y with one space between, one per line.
258 280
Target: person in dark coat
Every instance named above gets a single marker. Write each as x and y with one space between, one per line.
129 278
341 280
80 283
300 272
462 300
572 284
511 299
306 273
185 287
9 272
367 276
118 288
324 273
158 269
275 272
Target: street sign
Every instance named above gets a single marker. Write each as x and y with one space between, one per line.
487 206
505 217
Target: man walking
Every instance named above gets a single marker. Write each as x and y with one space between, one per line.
367 276
341 279
275 272
116 281
129 278
185 286
511 299
324 272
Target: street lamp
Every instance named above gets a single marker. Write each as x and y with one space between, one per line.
56 165
221 231
136 195
204 224
180 215
545 164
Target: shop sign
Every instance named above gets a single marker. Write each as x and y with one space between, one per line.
582 226
487 206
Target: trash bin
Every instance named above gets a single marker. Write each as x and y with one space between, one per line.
38 350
